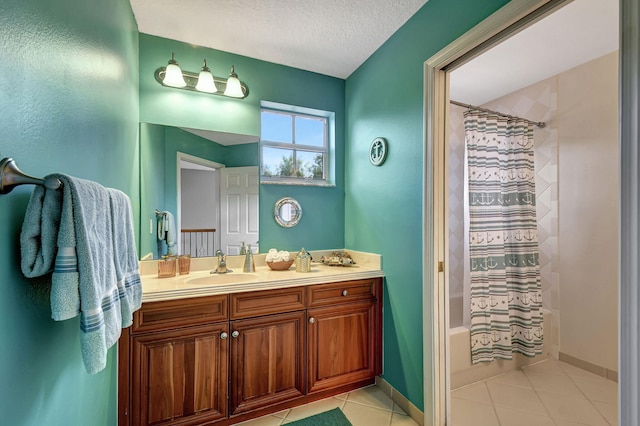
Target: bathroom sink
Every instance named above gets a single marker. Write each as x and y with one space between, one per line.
229 278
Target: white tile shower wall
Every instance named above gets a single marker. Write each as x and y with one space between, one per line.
537 102
456 201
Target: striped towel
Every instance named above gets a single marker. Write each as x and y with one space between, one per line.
85 231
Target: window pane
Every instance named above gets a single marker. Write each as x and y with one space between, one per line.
278 162
310 131
276 127
312 164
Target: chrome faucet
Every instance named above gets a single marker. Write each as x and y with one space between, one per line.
222 263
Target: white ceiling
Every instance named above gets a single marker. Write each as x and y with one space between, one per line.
579 32
332 37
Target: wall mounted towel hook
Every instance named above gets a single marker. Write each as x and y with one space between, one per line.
11 176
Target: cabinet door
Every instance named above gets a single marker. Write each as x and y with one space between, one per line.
341 345
180 377
267 360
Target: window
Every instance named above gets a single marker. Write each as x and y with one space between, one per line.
294 147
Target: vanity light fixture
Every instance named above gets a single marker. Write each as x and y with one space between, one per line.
205 81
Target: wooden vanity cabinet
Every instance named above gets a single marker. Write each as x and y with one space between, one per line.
344 334
181 376
173 363
267 361
267 351
223 359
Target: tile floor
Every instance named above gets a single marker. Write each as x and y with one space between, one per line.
363 407
546 393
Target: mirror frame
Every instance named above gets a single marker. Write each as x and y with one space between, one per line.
282 221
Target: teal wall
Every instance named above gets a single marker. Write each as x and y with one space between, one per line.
159 146
69 80
383 208
69 102
323 208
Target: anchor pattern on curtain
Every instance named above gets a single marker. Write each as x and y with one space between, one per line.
505 289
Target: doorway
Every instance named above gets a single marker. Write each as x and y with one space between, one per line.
436 224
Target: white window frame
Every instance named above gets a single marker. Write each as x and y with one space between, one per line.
325 149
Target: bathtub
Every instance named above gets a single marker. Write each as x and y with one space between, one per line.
463 372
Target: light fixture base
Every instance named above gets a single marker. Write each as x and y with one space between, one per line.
192 80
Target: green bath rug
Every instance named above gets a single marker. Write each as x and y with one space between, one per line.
328 418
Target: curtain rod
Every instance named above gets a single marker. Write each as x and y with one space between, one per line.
540 124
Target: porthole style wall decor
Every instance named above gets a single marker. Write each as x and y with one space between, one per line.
378 151
287 212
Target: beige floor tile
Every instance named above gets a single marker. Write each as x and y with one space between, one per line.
316 407
553 383
371 396
363 415
263 421
472 413
474 392
598 390
282 414
560 422
571 408
513 378
573 371
514 396
342 396
609 411
400 420
397 409
512 417
548 366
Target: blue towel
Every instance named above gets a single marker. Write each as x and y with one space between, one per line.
85 231
167 232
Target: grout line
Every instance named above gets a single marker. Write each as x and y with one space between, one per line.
538 395
376 407
589 399
493 406
344 401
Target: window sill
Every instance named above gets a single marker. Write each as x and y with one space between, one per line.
323 184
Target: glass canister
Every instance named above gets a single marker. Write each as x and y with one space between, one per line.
303 261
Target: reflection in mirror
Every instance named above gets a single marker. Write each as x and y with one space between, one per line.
287 212
192 174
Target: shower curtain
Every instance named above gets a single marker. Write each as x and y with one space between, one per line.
504 269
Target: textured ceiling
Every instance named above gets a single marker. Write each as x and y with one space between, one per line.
332 37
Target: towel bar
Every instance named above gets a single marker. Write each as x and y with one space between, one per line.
11 176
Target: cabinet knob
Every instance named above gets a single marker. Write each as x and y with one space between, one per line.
223 335
235 334
345 292
312 320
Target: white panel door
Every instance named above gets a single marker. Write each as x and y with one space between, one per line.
238 208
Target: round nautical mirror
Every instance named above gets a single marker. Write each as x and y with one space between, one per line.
287 212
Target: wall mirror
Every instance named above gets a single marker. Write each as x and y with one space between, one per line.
195 175
287 212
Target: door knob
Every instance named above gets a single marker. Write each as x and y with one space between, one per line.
235 334
312 320
223 335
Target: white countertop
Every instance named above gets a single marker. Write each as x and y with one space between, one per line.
200 281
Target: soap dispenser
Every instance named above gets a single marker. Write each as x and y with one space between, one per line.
249 264
303 261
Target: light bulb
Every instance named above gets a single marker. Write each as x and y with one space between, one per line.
233 85
173 74
205 80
